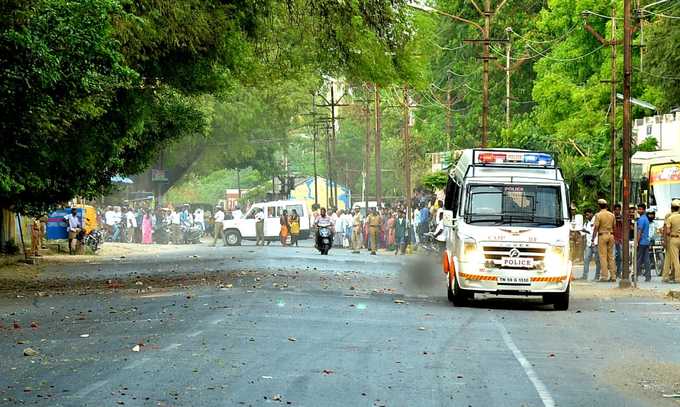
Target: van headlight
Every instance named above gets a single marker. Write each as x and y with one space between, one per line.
555 257
472 253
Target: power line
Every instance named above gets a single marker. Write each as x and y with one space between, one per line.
572 29
662 15
673 78
565 59
600 15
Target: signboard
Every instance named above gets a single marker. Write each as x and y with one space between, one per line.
158 176
664 174
441 161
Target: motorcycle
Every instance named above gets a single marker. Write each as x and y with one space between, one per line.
324 239
94 240
161 233
192 234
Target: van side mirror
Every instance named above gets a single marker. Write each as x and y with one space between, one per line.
449 219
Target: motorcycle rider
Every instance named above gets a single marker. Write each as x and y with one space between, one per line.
323 220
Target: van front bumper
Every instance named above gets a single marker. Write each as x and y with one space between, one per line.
514 281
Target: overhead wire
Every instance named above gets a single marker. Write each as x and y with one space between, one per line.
662 15
673 78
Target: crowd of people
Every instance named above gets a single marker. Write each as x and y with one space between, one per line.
386 228
603 235
141 224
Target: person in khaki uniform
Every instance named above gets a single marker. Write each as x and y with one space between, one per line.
604 230
374 222
672 227
356 230
665 232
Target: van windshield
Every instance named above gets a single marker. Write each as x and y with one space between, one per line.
514 205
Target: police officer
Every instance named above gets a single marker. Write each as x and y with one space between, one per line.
672 230
374 222
604 230
356 230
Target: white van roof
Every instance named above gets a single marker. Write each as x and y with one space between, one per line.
281 203
505 164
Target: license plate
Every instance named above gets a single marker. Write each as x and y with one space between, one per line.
326 241
514 280
517 262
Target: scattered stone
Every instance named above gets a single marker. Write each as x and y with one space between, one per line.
292 339
31 352
399 302
327 372
422 328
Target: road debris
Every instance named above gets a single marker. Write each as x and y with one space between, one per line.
292 339
31 352
136 348
327 372
421 328
85 335
399 302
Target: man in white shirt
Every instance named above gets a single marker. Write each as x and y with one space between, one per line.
73 226
590 250
347 223
259 227
236 213
131 224
218 218
440 233
199 218
174 227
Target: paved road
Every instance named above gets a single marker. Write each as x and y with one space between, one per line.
357 331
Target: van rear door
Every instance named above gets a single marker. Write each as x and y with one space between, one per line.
272 227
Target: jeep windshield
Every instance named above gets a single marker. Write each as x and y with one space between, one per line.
514 205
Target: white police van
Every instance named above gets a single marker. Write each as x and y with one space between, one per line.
507 218
237 230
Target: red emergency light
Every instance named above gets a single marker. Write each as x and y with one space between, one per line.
489 158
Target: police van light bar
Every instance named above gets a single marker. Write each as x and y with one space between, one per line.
514 158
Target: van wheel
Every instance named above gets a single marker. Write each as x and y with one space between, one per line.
559 301
449 292
233 238
460 297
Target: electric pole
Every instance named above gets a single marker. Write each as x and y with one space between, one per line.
627 136
316 134
367 156
507 81
449 106
407 151
332 162
487 13
612 109
612 44
378 164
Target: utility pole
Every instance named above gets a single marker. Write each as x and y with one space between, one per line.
407 151
627 136
378 164
485 74
612 109
488 13
331 161
612 44
333 104
238 182
316 134
367 154
449 106
507 82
